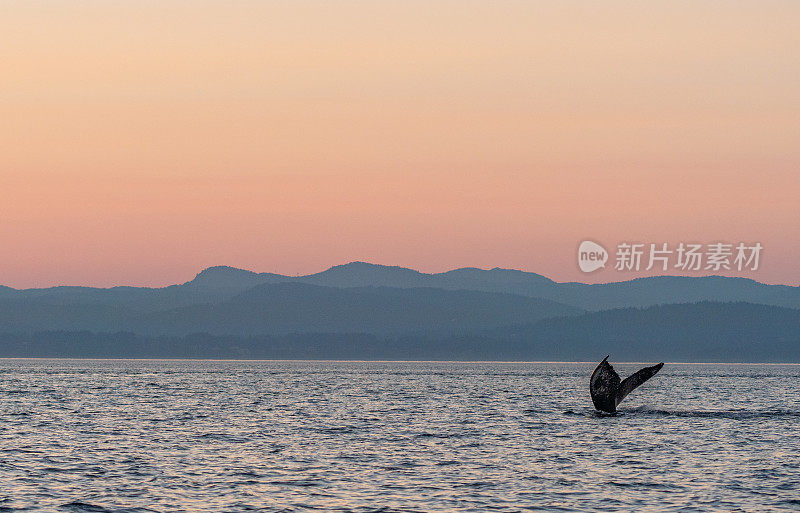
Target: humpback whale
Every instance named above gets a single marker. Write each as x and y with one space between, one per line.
607 390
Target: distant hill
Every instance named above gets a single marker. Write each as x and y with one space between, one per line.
401 313
638 292
274 309
693 332
702 332
217 284
298 307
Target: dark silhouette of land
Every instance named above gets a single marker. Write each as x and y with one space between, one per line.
366 311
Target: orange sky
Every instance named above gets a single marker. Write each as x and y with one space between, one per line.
143 141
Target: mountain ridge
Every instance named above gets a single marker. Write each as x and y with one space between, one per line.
292 307
691 332
219 283
642 291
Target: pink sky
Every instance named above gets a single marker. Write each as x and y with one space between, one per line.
141 142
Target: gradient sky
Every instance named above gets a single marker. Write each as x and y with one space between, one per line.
143 141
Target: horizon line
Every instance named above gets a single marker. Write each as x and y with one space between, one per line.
339 360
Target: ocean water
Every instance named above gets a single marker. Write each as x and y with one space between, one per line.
117 435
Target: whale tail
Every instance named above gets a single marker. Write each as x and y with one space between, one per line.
630 383
608 391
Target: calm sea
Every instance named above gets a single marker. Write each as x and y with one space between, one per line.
117 435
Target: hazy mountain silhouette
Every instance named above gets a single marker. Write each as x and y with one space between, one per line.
691 332
636 292
299 307
474 313
276 308
219 283
722 332
230 279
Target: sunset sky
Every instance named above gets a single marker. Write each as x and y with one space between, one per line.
141 142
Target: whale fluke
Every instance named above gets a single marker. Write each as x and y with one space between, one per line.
608 391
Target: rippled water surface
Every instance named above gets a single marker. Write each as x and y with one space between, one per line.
120 435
